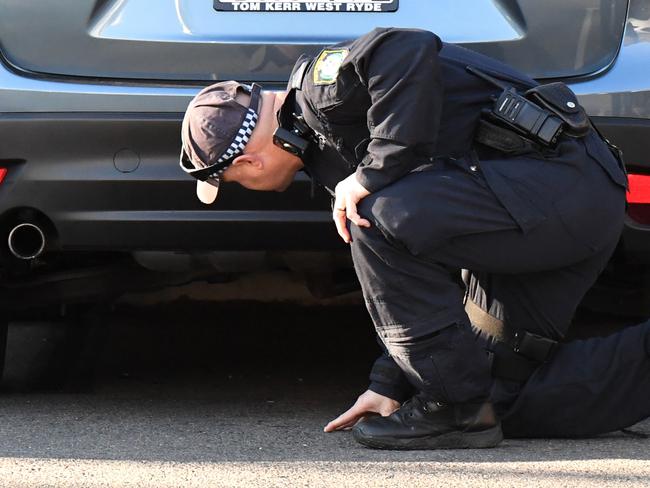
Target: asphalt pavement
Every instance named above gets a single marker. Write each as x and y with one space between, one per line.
237 394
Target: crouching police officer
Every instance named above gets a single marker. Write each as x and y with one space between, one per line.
440 160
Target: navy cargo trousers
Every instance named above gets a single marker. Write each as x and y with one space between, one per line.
441 223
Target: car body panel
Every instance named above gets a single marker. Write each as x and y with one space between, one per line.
189 40
623 90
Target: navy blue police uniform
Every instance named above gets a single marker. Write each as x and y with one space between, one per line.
478 253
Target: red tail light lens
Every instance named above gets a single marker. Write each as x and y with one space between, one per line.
3 173
639 189
638 198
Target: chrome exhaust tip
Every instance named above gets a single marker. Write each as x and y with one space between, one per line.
26 241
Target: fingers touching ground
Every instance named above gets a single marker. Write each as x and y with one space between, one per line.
346 419
369 403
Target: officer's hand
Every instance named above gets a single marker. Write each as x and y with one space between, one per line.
368 403
349 192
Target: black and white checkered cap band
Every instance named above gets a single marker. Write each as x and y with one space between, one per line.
235 149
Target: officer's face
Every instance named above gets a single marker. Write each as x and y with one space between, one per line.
264 166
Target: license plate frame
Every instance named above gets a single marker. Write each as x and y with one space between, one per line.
318 6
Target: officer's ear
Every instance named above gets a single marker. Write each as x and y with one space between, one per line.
251 160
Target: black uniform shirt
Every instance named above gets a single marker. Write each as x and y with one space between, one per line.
395 99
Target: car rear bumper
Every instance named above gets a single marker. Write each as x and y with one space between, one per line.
108 181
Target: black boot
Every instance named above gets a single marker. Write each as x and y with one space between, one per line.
425 424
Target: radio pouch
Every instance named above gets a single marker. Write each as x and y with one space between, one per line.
559 99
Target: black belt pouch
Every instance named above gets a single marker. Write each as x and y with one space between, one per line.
559 99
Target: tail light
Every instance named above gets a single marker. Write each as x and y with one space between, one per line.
3 173
638 198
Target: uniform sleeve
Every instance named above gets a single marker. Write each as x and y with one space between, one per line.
386 378
400 69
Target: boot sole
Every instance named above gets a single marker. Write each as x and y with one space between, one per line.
452 440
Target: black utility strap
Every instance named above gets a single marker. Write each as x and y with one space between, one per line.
517 359
533 346
256 91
